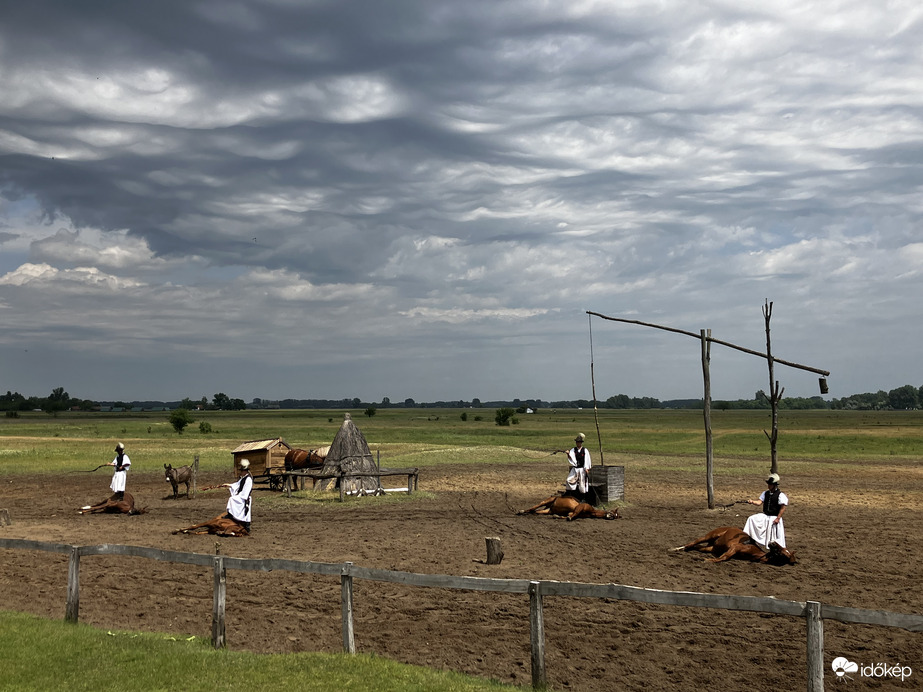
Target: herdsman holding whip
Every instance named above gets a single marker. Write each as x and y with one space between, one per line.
578 481
120 476
766 526
238 508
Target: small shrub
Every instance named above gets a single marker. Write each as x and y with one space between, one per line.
504 415
179 419
205 427
464 415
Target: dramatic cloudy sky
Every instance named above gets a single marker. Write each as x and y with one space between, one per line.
423 198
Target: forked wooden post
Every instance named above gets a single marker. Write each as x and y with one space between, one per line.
537 636
815 646
219 640
72 608
346 608
195 475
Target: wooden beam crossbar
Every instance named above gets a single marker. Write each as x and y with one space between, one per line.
789 363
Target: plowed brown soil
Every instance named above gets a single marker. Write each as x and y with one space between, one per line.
856 531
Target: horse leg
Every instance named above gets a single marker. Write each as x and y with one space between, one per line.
700 544
731 551
577 512
544 504
194 528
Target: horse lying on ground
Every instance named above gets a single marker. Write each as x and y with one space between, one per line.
571 508
174 477
729 541
305 458
219 526
114 506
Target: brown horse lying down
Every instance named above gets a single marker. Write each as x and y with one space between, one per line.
219 526
114 506
729 541
570 507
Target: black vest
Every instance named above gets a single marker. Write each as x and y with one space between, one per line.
771 504
580 456
119 460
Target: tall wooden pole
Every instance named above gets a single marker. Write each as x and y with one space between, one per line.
775 395
706 408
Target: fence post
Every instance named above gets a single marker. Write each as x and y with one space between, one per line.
537 636
218 604
72 609
346 608
195 475
815 646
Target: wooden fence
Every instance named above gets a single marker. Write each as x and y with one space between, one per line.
814 612
413 478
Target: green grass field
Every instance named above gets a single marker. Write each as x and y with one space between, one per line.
45 655
39 654
39 443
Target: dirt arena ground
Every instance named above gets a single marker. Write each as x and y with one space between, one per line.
856 531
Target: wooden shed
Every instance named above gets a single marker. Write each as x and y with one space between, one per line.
266 457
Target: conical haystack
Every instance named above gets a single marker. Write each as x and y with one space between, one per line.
349 453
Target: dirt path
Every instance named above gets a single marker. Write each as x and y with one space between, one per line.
851 534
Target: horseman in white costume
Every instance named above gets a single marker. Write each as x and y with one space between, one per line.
767 526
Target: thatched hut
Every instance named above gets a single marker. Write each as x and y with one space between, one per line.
350 453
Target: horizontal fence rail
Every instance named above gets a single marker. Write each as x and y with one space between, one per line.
413 477
813 612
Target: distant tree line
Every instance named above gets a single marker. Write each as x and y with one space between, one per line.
907 397
58 400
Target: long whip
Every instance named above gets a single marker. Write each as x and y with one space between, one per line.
91 470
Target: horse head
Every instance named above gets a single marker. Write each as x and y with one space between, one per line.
781 556
613 514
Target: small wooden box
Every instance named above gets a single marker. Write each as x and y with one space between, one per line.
609 482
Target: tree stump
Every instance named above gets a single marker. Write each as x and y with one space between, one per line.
5 519
494 551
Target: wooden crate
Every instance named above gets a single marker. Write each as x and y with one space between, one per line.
609 482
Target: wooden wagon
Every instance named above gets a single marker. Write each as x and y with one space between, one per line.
267 460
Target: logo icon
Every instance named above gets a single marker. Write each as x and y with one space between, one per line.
842 665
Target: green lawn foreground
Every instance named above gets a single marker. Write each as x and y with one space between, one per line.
40 654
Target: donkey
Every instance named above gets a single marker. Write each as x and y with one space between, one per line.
174 477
